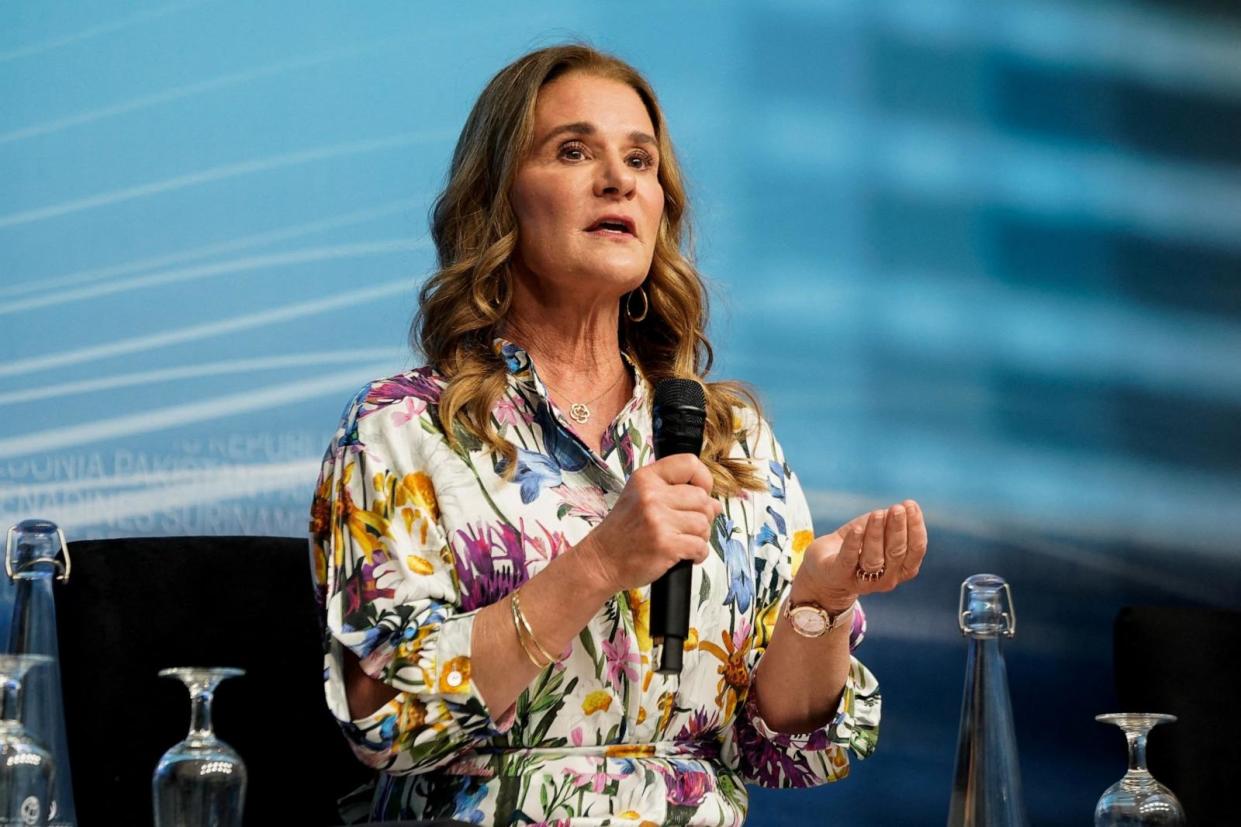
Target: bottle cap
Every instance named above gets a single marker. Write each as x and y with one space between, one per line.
32 548
986 607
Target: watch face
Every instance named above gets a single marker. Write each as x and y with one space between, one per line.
808 621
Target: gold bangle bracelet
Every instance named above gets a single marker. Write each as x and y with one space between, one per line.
516 627
525 647
520 617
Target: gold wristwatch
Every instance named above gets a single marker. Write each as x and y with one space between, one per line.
812 620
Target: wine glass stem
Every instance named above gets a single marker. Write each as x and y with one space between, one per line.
1137 751
200 714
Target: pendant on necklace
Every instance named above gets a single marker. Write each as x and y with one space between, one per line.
579 413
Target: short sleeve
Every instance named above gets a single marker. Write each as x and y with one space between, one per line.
386 587
774 759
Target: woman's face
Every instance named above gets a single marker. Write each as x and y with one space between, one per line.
594 157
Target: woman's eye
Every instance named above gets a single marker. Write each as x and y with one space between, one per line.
643 160
575 151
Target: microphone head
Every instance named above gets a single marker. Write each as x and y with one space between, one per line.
680 393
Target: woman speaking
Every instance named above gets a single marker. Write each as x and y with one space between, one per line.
486 528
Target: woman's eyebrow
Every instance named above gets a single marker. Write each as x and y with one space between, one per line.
586 128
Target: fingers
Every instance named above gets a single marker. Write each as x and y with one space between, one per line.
895 532
850 551
895 546
682 512
681 482
684 469
693 549
916 540
684 498
892 540
872 558
693 523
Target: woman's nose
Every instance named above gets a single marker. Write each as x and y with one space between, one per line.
615 177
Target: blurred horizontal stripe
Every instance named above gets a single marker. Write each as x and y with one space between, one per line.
206 250
194 371
955 163
223 172
98 30
188 90
359 249
191 489
174 416
206 330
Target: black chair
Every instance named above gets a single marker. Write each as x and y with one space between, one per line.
135 606
1186 661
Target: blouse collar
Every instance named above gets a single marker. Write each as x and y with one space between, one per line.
521 367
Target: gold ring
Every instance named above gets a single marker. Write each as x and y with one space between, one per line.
869 576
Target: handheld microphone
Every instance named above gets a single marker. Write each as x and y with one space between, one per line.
679 412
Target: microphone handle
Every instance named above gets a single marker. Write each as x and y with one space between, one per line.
672 592
678 430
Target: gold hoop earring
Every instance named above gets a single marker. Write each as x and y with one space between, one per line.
498 293
635 318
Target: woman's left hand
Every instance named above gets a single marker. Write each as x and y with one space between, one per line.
873 552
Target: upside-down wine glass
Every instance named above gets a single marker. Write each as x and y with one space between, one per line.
1137 799
200 782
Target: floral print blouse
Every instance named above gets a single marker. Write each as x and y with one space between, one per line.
410 538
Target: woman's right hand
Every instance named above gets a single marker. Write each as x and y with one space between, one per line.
663 515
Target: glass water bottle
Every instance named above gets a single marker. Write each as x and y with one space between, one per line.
35 555
986 789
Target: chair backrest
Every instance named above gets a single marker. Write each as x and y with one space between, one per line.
1186 661
135 606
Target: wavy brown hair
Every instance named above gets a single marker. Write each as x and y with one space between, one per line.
463 306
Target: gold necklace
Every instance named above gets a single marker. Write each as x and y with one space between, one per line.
579 412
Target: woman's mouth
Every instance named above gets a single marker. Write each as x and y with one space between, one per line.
612 226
